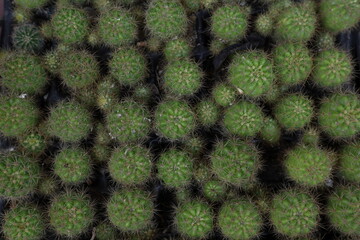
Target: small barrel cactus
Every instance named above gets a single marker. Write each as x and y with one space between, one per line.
311 137
264 24
130 210
72 165
325 41
107 94
194 145
175 168
214 190
252 73
30 4
244 119
174 119
177 49
47 186
339 115
271 131
130 164
224 94
194 219
105 231
207 112
23 221
33 143
239 219
349 164
71 214
216 46
143 93
27 37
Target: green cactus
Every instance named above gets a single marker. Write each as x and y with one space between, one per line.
128 121
332 68
128 66
166 19
30 4
182 77
130 164
104 231
325 41
194 219
194 146
337 15
264 24
71 214
69 121
101 150
175 168
130 210
214 190
252 73
349 164
292 63
174 119
343 210
177 49
311 137
207 112
22 15
142 93
294 111
224 94
23 221
239 219
18 116
19 175
192 5
216 46
271 131
244 119
230 22
47 186
107 94
27 37
72 165
22 73
116 27
294 213
309 165
339 115
33 143
235 162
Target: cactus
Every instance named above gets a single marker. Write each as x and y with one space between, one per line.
294 213
175 168
143 93
239 219
332 68
18 116
235 162
72 165
22 15
71 214
325 41
292 63
343 210
214 190
128 121
174 119
27 37
271 131
70 25
339 115
244 119
216 46
264 24
166 19
22 73
294 111
182 77
104 231
69 121
128 66
207 112
194 219
224 94
23 221
19 175
230 22
130 210
30 4
177 49
337 15
47 186
309 165
194 146
33 143
116 27
130 164
107 94
349 164
311 137
252 73
154 44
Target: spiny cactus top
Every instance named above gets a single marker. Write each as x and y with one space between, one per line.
252 73
207 112
71 214
214 190
271 131
130 210
33 143
166 19
239 219
23 221
29 4
264 24
105 231
224 94
230 22
349 164
177 49
107 94
194 219
27 37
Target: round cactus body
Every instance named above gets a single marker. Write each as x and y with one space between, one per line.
349 164
30 4
325 41
47 186
207 112
107 94
194 219
130 210
224 94
23 221
294 111
130 164
128 121
18 116
214 190
174 119
105 231
142 93
27 37
252 73
239 219
19 176
339 115
177 49
264 24
194 145
311 137
69 121
33 143
229 22
271 131
175 168
244 119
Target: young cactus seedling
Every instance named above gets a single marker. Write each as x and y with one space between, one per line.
105 231
349 164
214 190
311 137
107 94
207 112
47 186
325 41
177 49
271 131
30 4
264 24
33 143
27 37
194 146
224 94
